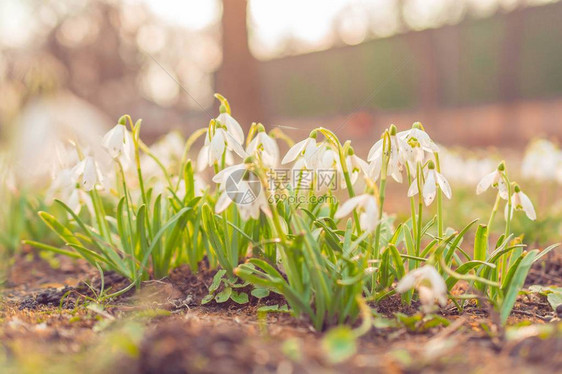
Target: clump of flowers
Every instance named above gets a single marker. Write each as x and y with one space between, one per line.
275 224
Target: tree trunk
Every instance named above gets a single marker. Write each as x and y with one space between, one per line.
238 76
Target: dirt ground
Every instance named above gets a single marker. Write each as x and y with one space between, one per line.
46 328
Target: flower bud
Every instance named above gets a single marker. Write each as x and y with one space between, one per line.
418 125
392 130
313 134
350 151
501 166
122 120
249 160
222 108
260 128
431 165
516 188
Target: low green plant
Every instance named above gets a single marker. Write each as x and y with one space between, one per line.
268 228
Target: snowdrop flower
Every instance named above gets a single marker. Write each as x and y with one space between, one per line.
356 165
66 187
395 161
87 173
433 179
244 189
415 142
520 201
494 179
368 208
304 148
430 286
216 145
264 147
232 126
119 144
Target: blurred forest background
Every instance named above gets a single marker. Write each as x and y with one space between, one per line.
475 72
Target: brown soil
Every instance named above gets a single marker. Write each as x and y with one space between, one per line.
44 328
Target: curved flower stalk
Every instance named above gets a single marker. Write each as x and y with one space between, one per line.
264 147
433 180
367 206
430 285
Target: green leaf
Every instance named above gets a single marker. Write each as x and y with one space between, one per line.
481 243
339 344
207 299
516 284
217 280
224 295
239 297
260 293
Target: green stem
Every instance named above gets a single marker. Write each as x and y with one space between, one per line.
420 210
439 201
412 203
494 211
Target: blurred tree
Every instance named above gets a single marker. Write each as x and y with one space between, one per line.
238 77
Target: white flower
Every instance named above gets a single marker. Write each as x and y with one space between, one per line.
232 126
430 286
304 148
415 142
65 186
368 208
119 144
87 173
214 148
395 161
429 190
520 201
356 165
266 148
494 179
245 191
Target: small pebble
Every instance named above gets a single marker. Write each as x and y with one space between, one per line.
559 311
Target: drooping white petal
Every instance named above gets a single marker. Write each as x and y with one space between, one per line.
295 151
375 151
444 185
233 144
486 182
429 188
223 202
203 158
430 286
347 207
222 175
527 206
413 190
217 146
232 126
